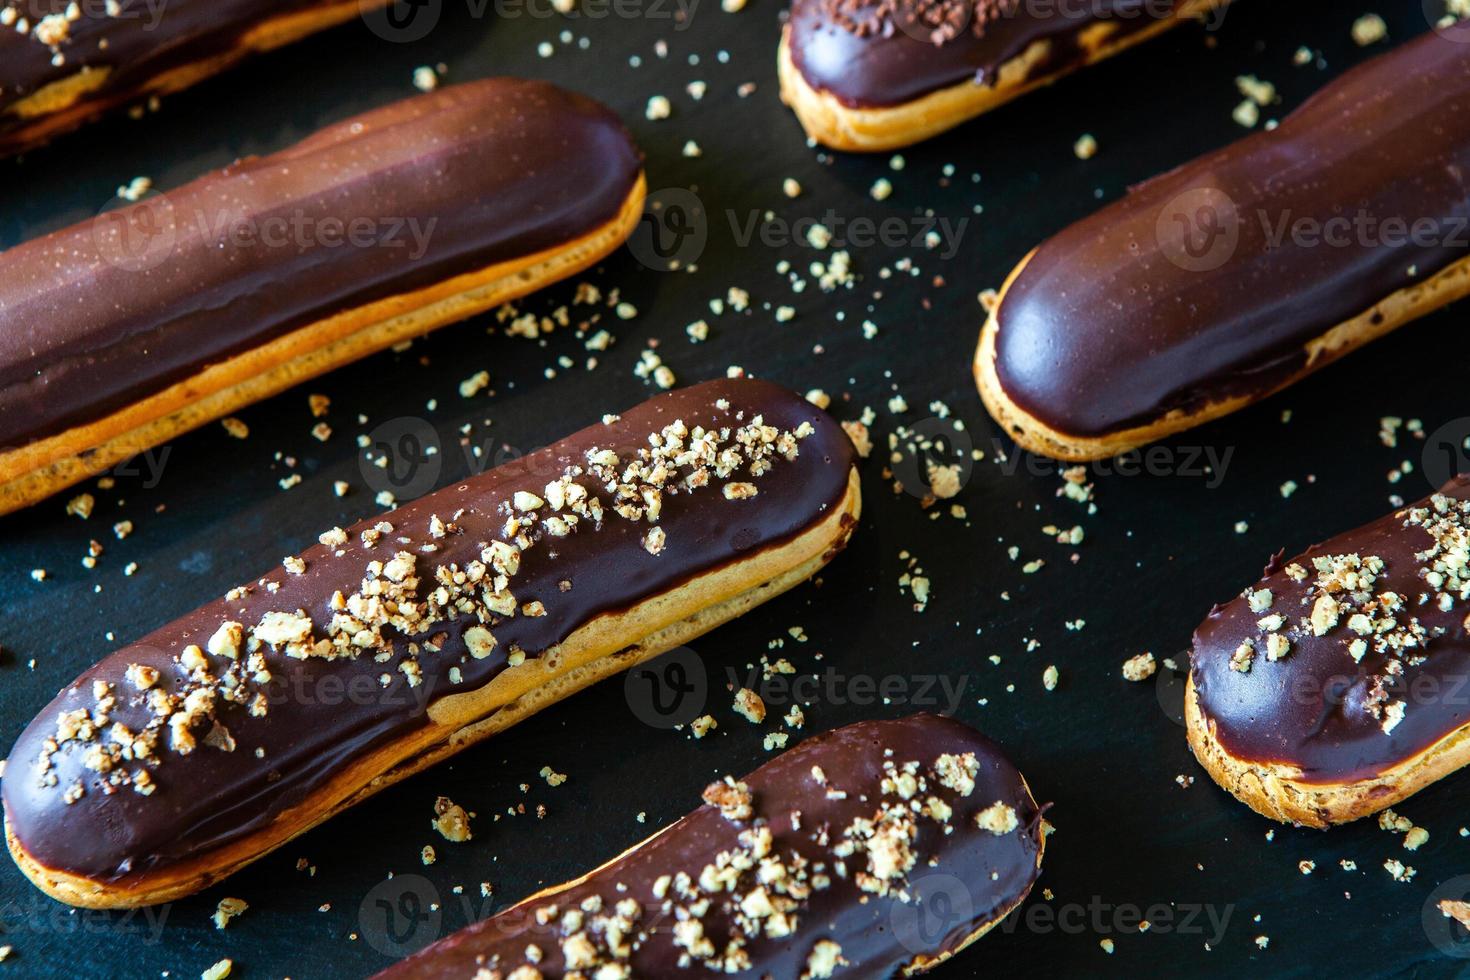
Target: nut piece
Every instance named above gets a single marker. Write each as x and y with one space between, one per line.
825 958
749 705
451 820
479 641
734 799
998 818
1459 911
1140 667
226 640
228 909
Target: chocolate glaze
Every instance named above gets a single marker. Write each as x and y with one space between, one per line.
326 713
485 172
144 40
888 60
994 872
1109 326
1308 710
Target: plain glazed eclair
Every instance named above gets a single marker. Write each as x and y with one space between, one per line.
63 64
823 862
1337 685
1215 285
869 75
122 332
397 642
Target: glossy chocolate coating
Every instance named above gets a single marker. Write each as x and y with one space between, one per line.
326 713
143 40
894 62
396 199
1308 710
985 874
1134 312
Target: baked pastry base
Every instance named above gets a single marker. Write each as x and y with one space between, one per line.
1029 432
65 104
606 646
1273 789
33 472
869 130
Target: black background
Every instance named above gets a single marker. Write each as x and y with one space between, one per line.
1158 552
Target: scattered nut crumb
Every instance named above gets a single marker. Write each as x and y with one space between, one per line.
1140 667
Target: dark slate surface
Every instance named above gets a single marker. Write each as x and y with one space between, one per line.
1160 549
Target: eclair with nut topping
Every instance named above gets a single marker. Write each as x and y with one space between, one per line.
122 332
397 642
877 850
63 64
1212 287
869 75
1339 684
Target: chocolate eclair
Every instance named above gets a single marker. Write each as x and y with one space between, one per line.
122 332
392 644
1213 286
877 850
1337 685
63 64
873 75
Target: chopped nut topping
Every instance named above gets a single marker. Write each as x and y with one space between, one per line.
733 799
404 609
957 772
